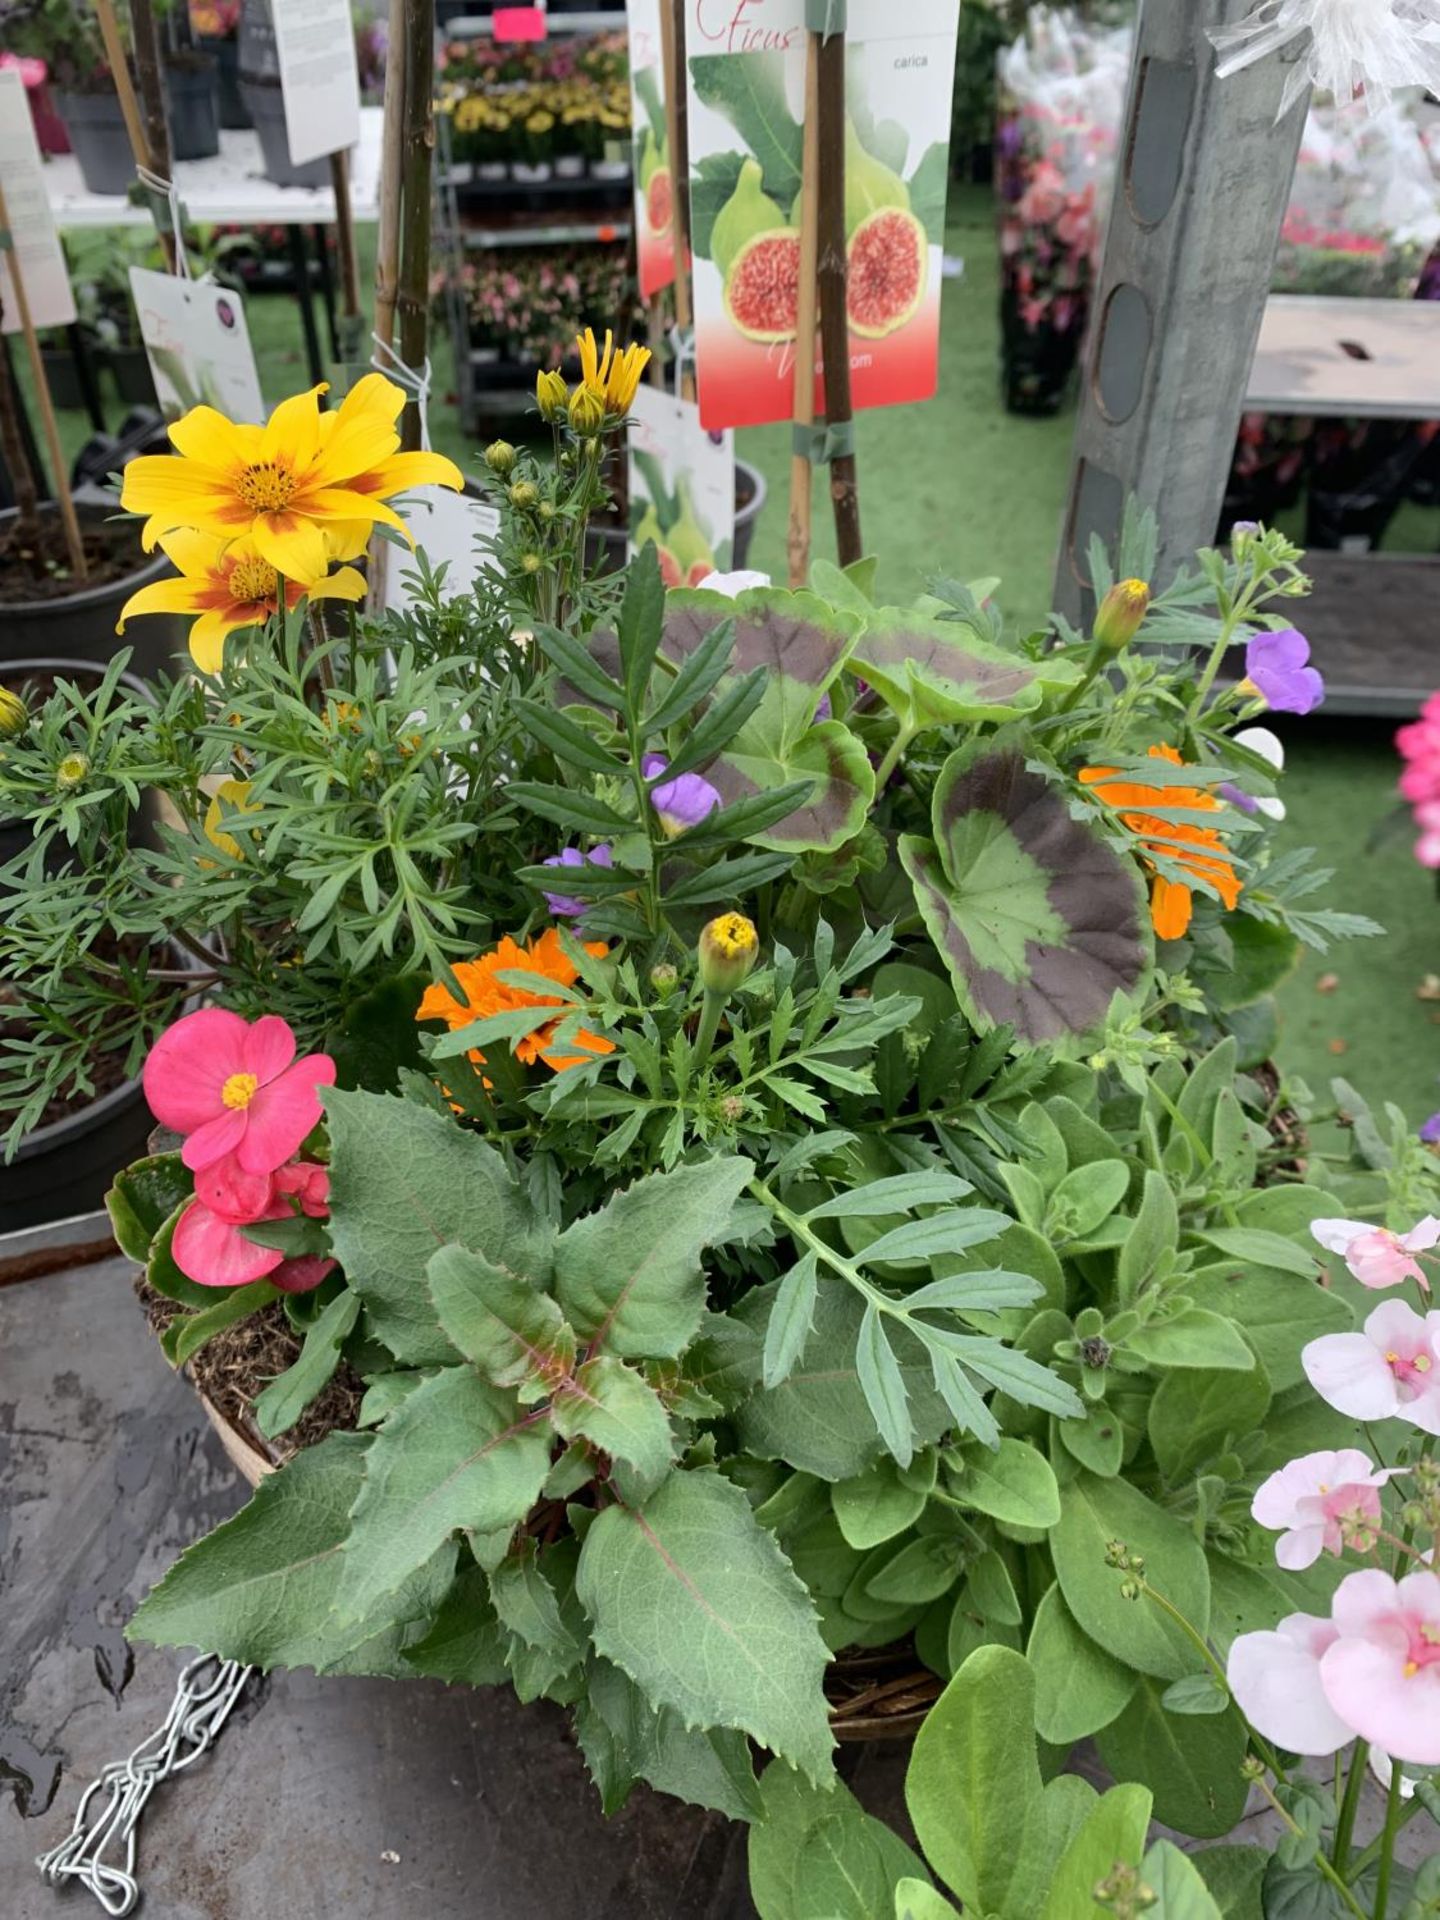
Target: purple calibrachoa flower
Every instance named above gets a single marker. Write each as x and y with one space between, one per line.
683 802
564 905
1277 666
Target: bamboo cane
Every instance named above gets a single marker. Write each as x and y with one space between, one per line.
833 283
413 298
802 471
387 251
672 55
63 500
346 256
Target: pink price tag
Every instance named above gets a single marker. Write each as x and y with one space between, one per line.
519 23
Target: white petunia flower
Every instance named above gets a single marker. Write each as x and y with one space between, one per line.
733 584
1355 48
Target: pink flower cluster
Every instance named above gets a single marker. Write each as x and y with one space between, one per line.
1377 1257
245 1105
1372 1670
1419 746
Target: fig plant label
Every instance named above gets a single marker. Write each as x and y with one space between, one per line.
682 488
746 80
654 174
198 346
32 225
318 76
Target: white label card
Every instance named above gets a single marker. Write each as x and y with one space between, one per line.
682 488
198 346
32 225
449 527
318 76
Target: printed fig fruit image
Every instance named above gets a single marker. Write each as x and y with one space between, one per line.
649 532
759 259
869 184
688 542
889 265
658 184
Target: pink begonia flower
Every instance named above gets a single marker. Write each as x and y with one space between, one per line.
1391 1369
1377 1257
209 1246
1275 1678
1309 1501
234 1088
1382 1672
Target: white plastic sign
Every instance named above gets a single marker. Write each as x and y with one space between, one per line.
449 527
315 40
198 346
32 225
682 488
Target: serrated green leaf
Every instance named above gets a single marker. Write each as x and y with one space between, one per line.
511 1330
261 1588
628 1278
403 1182
706 1766
286 1398
611 1406
525 1605
696 1602
464 1642
456 1453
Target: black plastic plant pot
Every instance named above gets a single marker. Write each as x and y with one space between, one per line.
1359 474
265 104
81 625
610 546
226 55
62 376
130 367
192 98
98 140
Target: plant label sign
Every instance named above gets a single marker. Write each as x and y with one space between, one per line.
319 77
198 346
449 528
654 177
746 62
682 488
32 225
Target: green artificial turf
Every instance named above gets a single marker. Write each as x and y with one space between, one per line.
958 486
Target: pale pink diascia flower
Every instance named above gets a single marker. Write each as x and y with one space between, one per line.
1275 1678
1382 1671
1310 1501
1390 1370
1377 1257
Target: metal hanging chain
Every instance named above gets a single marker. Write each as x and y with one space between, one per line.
205 1694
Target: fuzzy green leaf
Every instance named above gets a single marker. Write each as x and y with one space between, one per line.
1095 1512
455 1454
612 1407
628 1278
1079 1688
1113 1831
261 1588
1191 1762
511 1330
877 1505
1015 1484
695 1601
403 1182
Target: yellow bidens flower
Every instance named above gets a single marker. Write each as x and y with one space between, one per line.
1121 615
729 948
552 396
615 375
231 584
587 410
14 717
287 485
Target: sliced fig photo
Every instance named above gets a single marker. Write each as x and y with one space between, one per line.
660 200
889 266
759 256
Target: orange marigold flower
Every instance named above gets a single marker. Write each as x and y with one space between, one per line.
485 994
1200 849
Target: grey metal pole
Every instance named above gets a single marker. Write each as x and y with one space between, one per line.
1202 182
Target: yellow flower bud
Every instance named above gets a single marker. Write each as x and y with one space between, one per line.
552 395
587 411
72 772
524 494
729 948
500 456
13 715
1121 615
